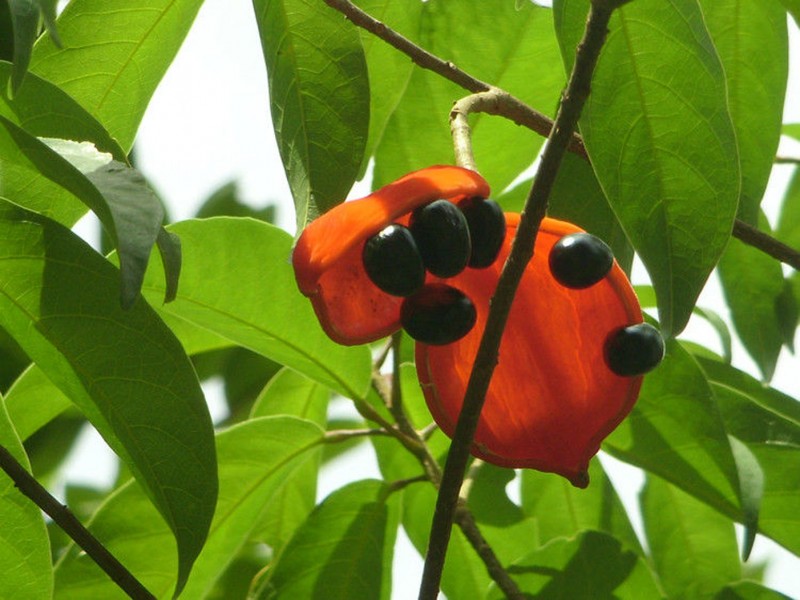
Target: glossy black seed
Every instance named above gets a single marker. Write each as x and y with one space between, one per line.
487 229
438 314
634 350
580 260
392 261
442 235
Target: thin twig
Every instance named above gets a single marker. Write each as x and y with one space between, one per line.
512 107
338 436
62 516
787 160
521 252
766 243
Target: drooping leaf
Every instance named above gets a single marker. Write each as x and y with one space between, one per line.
751 486
124 369
750 590
512 49
693 547
663 149
590 565
753 284
751 41
236 282
253 458
25 21
114 54
344 549
562 510
117 194
24 545
319 98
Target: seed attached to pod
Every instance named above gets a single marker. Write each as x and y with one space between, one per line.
580 260
442 235
487 229
634 350
438 314
393 262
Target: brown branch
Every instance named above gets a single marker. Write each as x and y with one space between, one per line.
62 516
766 243
514 109
521 252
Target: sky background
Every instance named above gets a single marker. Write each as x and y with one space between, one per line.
209 124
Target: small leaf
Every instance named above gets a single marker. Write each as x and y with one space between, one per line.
319 97
33 401
793 6
237 283
124 369
719 325
751 484
750 590
25 20
169 248
344 550
24 545
693 547
590 565
114 56
663 150
792 129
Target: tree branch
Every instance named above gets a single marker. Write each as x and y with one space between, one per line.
511 107
521 252
62 516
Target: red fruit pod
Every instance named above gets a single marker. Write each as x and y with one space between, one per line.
327 256
552 399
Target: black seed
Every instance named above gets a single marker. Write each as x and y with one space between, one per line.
442 236
392 261
438 314
580 260
487 229
634 350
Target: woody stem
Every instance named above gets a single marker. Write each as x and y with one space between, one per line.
521 252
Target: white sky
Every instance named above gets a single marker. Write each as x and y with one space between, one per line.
209 124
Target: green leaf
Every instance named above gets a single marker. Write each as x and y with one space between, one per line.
562 510
25 20
768 423
590 565
751 41
24 545
319 99
344 550
792 129
675 431
749 590
236 282
117 194
693 547
289 393
114 54
124 369
788 228
254 458
753 284
389 70
662 147
751 486
33 401
793 6
514 50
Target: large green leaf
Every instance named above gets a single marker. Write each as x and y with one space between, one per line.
114 54
254 457
389 70
793 6
118 195
768 423
676 432
33 401
124 369
661 142
589 565
319 96
24 546
751 41
693 547
289 393
753 286
562 510
343 551
509 48
236 281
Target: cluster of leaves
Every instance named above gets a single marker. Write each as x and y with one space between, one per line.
682 127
